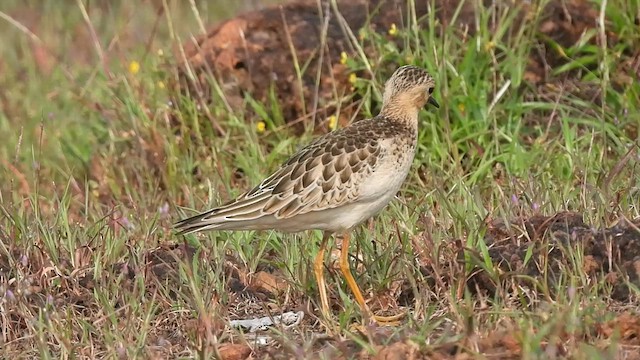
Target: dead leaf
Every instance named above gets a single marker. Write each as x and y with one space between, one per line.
268 282
234 351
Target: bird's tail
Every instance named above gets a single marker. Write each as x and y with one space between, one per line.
245 213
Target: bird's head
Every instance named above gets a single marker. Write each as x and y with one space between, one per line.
409 88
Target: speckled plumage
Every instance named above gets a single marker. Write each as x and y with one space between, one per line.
328 173
340 179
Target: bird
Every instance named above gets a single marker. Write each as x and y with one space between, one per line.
337 181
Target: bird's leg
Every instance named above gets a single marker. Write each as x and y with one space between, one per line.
346 272
318 269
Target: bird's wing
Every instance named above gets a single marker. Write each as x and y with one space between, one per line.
323 175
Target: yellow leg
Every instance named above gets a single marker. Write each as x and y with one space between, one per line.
318 268
346 272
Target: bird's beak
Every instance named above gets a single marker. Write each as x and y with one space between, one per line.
433 102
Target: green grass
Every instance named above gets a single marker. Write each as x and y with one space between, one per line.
96 167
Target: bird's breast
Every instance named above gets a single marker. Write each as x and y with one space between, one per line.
390 174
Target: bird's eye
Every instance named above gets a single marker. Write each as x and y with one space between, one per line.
430 91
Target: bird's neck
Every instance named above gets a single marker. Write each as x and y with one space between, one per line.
407 115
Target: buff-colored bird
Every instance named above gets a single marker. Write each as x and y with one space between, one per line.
336 182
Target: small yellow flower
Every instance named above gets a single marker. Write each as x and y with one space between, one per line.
393 30
343 58
160 52
260 127
489 46
352 78
160 84
134 67
461 107
333 122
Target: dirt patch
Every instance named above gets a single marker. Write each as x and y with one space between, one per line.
564 242
254 52
536 254
625 327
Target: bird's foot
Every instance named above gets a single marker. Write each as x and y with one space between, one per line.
393 320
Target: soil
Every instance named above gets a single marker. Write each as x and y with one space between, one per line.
613 252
